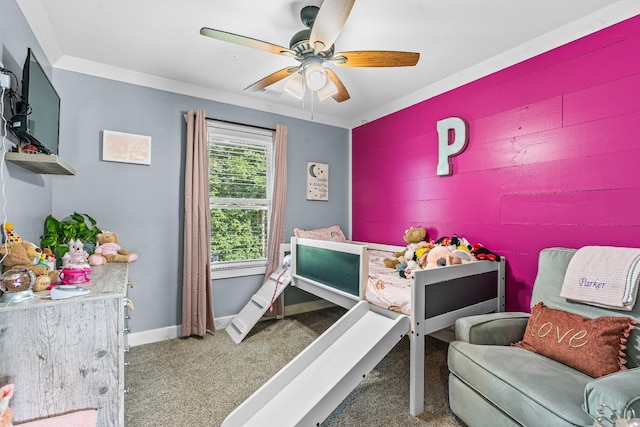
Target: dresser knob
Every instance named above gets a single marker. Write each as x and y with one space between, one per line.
127 349
130 283
128 303
127 330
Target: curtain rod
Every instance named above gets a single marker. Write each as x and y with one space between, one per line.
236 123
242 124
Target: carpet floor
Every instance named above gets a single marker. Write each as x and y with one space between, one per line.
197 382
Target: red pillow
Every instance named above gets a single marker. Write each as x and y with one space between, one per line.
592 346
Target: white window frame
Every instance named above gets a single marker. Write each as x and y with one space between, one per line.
254 135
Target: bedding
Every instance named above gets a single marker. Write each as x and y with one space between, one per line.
385 287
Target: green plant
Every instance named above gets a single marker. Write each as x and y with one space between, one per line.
57 234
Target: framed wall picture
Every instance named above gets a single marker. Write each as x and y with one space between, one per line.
317 181
126 147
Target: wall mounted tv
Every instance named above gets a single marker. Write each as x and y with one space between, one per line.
37 118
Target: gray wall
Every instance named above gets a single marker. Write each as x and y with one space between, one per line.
28 196
143 204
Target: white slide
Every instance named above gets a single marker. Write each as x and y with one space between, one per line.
258 305
311 386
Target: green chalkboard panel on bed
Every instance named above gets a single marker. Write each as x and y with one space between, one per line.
338 270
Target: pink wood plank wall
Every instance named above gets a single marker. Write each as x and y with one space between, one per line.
553 159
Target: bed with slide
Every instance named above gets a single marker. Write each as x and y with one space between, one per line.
382 306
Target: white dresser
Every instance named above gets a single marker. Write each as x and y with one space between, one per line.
68 354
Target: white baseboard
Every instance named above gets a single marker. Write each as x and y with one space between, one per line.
154 335
170 332
222 322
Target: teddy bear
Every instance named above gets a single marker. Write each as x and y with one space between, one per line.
21 255
108 250
417 247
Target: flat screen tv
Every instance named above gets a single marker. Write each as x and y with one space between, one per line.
37 118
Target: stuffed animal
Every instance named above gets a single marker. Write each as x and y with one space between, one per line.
458 243
49 257
451 251
6 392
417 246
482 253
108 250
25 255
441 256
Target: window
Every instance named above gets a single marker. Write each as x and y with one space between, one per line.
240 187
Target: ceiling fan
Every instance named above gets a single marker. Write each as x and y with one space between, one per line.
313 48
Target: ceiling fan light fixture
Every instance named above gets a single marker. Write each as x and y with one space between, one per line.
329 89
295 86
315 75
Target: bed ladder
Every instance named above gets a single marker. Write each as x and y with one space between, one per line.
258 305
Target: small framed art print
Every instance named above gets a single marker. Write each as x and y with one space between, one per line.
126 147
317 181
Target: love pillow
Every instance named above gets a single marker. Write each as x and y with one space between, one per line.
592 346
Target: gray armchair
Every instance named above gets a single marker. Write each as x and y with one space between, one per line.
493 383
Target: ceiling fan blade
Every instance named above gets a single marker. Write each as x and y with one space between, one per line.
247 42
376 58
329 22
272 78
342 94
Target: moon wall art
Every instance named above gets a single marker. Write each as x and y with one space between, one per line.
317 181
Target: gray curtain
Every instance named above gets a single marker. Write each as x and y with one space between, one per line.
197 298
278 203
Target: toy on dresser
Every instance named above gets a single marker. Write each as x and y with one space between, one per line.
76 256
108 250
20 254
75 264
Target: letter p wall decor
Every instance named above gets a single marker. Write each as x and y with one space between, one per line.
452 129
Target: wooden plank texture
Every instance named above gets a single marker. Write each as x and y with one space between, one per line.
551 160
67 355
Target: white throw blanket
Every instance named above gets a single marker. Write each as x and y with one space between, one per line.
604 276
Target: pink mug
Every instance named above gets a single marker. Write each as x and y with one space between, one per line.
74 276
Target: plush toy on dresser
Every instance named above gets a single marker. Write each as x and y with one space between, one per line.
76 256
18 253
108 250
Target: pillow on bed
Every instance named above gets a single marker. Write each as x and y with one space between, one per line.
592 346
330 233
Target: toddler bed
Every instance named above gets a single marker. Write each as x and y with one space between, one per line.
346 273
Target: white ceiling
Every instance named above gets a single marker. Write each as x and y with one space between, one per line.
156 43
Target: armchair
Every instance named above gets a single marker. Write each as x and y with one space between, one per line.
494 383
